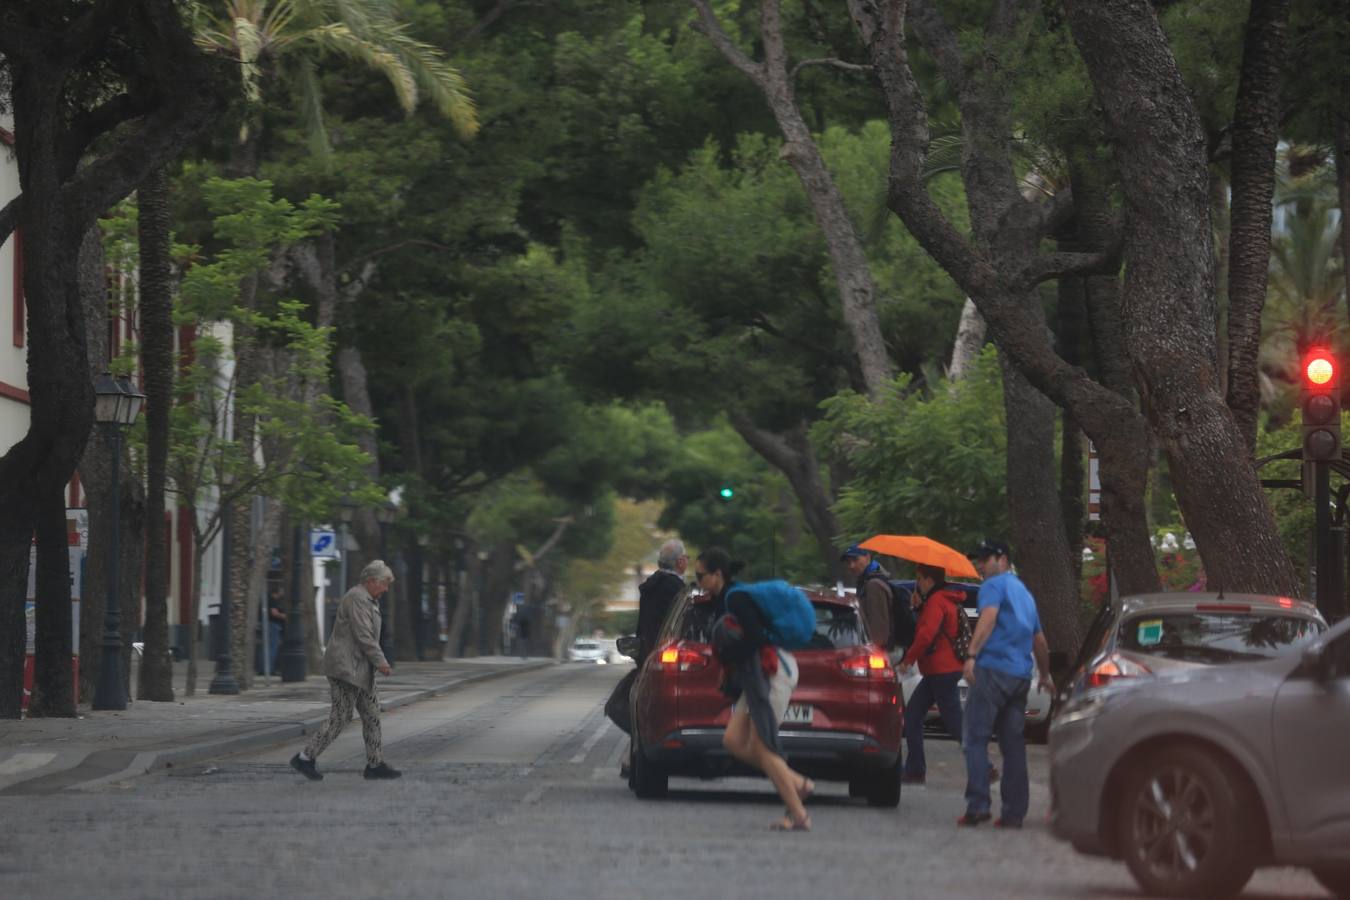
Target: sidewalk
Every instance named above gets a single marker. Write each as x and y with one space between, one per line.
38 756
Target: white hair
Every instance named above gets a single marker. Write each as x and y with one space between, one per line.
377 570
669 554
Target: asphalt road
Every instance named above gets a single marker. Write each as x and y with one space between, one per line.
512 790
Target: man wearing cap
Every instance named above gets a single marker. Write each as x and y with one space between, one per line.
998 671
874 594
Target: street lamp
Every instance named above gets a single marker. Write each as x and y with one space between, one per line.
385 513
116 405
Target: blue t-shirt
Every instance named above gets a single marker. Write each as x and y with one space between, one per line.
1009 646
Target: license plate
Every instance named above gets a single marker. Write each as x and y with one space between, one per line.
798 714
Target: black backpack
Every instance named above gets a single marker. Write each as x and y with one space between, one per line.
903 624
960 643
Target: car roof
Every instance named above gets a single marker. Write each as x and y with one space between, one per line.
1187 601
815 595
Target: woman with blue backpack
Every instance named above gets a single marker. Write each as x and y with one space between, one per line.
760 622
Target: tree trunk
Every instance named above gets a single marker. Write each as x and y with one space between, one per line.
191 626
793 454
53 682
496 594
853 277
130 567
969 341
1000 266
265 538
95 467
1043 552
1256 123
157 360
1169 293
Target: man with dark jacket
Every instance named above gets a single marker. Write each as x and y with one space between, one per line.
655 597
874 594
658 593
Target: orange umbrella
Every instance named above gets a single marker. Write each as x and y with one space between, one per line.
922 550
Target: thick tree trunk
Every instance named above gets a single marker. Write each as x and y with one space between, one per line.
1073 447
157 360
1043 552
53 681
793 454
853 277
265 538
1169 293
192 625
1002 265
131 549
1256 121
95 467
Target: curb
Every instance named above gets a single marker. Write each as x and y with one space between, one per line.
149 761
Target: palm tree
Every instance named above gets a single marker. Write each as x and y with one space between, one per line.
1305 302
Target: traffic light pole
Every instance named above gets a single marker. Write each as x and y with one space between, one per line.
1325 555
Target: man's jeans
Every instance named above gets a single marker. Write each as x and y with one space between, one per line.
996 702
943 689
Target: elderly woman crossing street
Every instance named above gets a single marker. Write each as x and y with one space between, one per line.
351 660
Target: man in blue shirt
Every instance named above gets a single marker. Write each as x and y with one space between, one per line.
998 672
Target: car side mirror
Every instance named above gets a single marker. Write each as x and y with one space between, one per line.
628 646
1317 663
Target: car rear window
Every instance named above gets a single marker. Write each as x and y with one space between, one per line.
1216 637
837 625
581 646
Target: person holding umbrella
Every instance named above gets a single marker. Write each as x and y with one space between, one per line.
934 650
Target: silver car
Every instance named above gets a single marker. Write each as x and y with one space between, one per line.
1194 775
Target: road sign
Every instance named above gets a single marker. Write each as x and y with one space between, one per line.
323 544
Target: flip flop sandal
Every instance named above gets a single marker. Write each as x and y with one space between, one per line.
787 823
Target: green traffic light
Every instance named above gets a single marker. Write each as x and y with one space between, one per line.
727 493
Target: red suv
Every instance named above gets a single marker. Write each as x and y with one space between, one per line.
844 722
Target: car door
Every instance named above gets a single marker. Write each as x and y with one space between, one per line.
1311 733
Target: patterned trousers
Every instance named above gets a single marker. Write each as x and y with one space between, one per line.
367 705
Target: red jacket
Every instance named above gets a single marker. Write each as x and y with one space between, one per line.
936 630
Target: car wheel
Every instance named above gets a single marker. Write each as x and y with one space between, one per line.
1185 825
1335 878
883 787
649 780
857 786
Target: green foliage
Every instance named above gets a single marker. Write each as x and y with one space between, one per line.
931 464
309 457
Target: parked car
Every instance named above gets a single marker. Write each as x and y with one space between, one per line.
587 650
1203 736
1038 703
843 722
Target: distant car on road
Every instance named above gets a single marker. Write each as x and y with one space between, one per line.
1202 736
587 650
843 722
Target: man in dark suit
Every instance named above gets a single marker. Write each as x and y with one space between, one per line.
658 593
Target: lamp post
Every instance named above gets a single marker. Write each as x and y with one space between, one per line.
292 661
116 405
385 513
223 682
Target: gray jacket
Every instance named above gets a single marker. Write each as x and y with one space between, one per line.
353 652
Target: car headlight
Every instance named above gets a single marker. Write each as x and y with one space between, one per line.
1088 707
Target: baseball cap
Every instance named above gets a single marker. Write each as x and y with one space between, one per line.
986 548
854 552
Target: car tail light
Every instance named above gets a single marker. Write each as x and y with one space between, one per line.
1113 667
867 665
685 658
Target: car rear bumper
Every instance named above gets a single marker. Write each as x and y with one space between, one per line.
823 754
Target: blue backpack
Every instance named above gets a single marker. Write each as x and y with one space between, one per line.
791 618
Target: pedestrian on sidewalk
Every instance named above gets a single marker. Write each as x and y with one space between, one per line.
934 649
998 672
761 676
351 660
876 599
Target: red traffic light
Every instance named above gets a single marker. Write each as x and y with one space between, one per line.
1318 367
